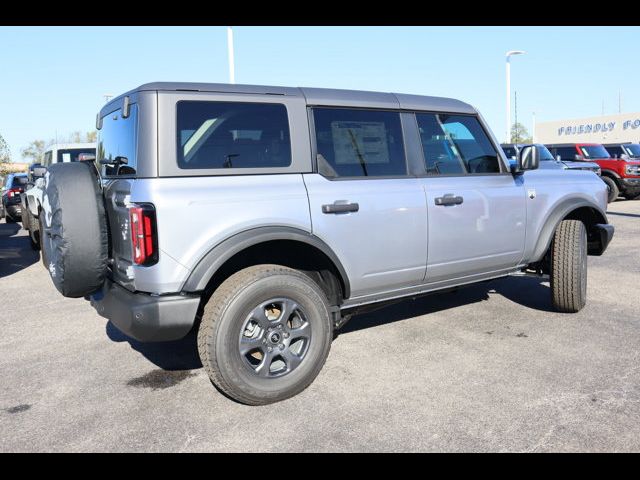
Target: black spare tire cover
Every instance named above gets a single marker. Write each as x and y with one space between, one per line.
74 240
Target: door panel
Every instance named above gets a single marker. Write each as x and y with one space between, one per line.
485 232
383 244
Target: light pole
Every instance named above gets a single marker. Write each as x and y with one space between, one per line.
509 53
232 73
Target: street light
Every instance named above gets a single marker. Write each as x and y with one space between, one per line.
509 53
232 73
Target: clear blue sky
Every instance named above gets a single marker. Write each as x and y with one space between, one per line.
53 78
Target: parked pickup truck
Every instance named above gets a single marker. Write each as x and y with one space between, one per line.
31 199
265 217
622 176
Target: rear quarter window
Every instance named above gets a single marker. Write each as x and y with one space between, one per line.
232 135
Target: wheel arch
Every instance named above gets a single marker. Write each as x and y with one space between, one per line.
245 248
572 209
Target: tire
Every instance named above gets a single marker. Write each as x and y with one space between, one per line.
569 267
43 253
73 233
632 196
248 378
612 188
9 219
34 238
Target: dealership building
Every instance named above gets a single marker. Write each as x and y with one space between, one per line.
619 128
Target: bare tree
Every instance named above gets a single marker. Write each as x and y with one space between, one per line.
5 152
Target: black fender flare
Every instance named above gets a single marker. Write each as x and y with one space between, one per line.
223 251
609 173
558 214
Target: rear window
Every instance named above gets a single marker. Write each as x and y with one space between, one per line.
71 155
19 181
232 135
117 140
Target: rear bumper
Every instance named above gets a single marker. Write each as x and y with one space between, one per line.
604 234
14 210
145 317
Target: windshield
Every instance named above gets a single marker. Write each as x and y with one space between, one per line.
545 154
633 150
594 151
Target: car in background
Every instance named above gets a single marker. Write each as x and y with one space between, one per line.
12 187
547 160
622 176
622 150
31 199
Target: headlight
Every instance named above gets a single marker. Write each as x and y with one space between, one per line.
632 169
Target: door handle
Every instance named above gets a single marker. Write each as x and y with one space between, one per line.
340 208
449 199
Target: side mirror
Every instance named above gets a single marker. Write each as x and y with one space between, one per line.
528 159
579 158
558 158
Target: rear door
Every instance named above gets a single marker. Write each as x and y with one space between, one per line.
476 209
363 203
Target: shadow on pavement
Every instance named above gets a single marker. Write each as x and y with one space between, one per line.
527 291
176 355
15 251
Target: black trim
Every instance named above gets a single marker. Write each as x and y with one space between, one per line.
554 219
145 317
218 255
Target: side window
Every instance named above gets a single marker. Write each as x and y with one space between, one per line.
359 143
440 154
232 135
456 144
47 159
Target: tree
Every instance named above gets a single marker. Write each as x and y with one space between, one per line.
520 134
5 152
35 150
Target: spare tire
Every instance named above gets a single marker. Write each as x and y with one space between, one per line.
74 239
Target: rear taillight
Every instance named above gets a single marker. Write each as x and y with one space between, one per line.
14 192
144 240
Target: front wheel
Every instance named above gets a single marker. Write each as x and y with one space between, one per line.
569 267
612 189
265 334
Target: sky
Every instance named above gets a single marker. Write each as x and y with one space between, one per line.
53 79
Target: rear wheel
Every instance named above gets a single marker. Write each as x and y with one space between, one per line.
569 267
632 196
265 334
612 188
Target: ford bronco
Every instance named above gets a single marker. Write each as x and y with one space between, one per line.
265 217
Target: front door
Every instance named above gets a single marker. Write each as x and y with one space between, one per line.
475 208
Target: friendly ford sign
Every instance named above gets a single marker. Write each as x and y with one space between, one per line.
597 127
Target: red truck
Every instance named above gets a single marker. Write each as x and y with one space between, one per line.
622 176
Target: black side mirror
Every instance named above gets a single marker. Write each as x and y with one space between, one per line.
528 159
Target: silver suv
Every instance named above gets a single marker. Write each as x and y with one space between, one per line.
266 217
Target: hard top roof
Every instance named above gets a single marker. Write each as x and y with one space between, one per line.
313 96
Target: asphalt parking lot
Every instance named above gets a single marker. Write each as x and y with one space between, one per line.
487 368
